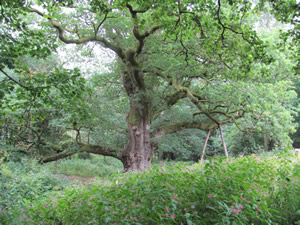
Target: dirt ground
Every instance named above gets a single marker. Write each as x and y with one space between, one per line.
75 179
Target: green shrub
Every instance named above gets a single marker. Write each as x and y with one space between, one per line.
245 190
24 180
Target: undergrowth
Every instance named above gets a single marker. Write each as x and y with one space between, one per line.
245 190
96 166
21 181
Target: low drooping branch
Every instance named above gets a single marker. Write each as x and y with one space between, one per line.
100 150
95 149
56 157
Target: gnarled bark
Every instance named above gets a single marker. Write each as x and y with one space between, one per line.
138 153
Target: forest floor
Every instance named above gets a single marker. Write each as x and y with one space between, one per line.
75 179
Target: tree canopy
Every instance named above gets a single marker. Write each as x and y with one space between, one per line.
178 65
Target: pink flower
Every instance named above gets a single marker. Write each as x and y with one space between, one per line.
244 199
249 202
266 194
257 208
241 207
235 211
132 205
167 215
173 216
126 217
210 196
83 217
174 197
195 213
192 206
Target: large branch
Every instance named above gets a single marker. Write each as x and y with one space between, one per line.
196 100
136 32
96 149
182 126
100 150
206 126
118 50
174 98
57 157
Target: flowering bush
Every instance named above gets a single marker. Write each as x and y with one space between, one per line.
245 190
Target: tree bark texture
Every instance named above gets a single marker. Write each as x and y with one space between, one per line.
138 153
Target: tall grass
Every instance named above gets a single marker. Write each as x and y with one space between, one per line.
97 166
245 190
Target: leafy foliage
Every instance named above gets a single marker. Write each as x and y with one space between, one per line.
21 181
242 191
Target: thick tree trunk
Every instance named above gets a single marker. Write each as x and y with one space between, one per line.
138 153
